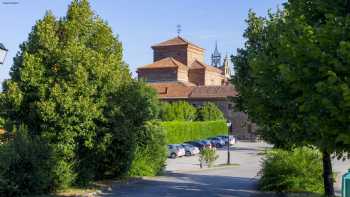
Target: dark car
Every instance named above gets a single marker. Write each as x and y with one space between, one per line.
207 143
197 144
217 142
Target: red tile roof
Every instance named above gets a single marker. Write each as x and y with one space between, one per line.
213 92
175 41
174 90
182 90
168 62
200 65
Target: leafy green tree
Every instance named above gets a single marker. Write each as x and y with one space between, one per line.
292 76
151 151
209 111
70 86
182 111
130 108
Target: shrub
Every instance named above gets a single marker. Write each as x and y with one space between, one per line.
27 166
132 109
209 156
151 152
209 111
180 111
299 170
179 132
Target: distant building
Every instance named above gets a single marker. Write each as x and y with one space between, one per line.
178 72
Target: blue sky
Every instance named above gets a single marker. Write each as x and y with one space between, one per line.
141 23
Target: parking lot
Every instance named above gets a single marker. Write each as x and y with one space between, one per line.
242 153
185 178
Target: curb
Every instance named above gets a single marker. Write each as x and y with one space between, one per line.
235 165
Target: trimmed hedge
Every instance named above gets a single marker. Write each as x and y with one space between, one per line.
181 131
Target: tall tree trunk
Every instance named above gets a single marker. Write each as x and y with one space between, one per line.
327 174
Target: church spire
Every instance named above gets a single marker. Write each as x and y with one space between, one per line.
226 67
216 56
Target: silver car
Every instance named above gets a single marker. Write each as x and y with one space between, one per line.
175 150
190 149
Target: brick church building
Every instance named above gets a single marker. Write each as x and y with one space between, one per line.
179 73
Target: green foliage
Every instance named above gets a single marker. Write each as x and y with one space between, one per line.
179 132
299 170
209 156
292 76
2 122
184 111
131 107
70 87
209 112
179 111
28 166
151 151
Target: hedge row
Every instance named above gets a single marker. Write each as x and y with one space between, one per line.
181 131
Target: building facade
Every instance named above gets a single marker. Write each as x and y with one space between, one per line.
179 73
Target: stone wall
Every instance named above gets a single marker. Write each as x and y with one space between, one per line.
194 53
182 75
213 78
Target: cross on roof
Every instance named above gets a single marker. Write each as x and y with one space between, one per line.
178 29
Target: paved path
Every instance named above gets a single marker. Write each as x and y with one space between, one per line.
184 178
234 181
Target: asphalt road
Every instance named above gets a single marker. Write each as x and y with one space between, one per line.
185 178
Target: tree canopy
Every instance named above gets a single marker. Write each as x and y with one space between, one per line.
209 111
181 111
70 87
292 76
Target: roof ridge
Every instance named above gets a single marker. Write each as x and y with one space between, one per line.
176 62
183 40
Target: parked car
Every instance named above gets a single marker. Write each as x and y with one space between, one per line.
190 149
217 142
207 143
231 139
175 150
197 144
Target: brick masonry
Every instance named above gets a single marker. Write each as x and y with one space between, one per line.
179 73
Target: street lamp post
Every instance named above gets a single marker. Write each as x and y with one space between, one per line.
3 52
229 124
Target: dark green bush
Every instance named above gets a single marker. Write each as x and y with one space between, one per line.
132 106
299 170
209 111
179 132
151 152
27 166
180 111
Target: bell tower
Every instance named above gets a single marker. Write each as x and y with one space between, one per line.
216 57
226 67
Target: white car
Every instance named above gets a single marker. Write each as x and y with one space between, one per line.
231 138
190 149
176 150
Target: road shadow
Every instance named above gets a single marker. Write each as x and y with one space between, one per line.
181 184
